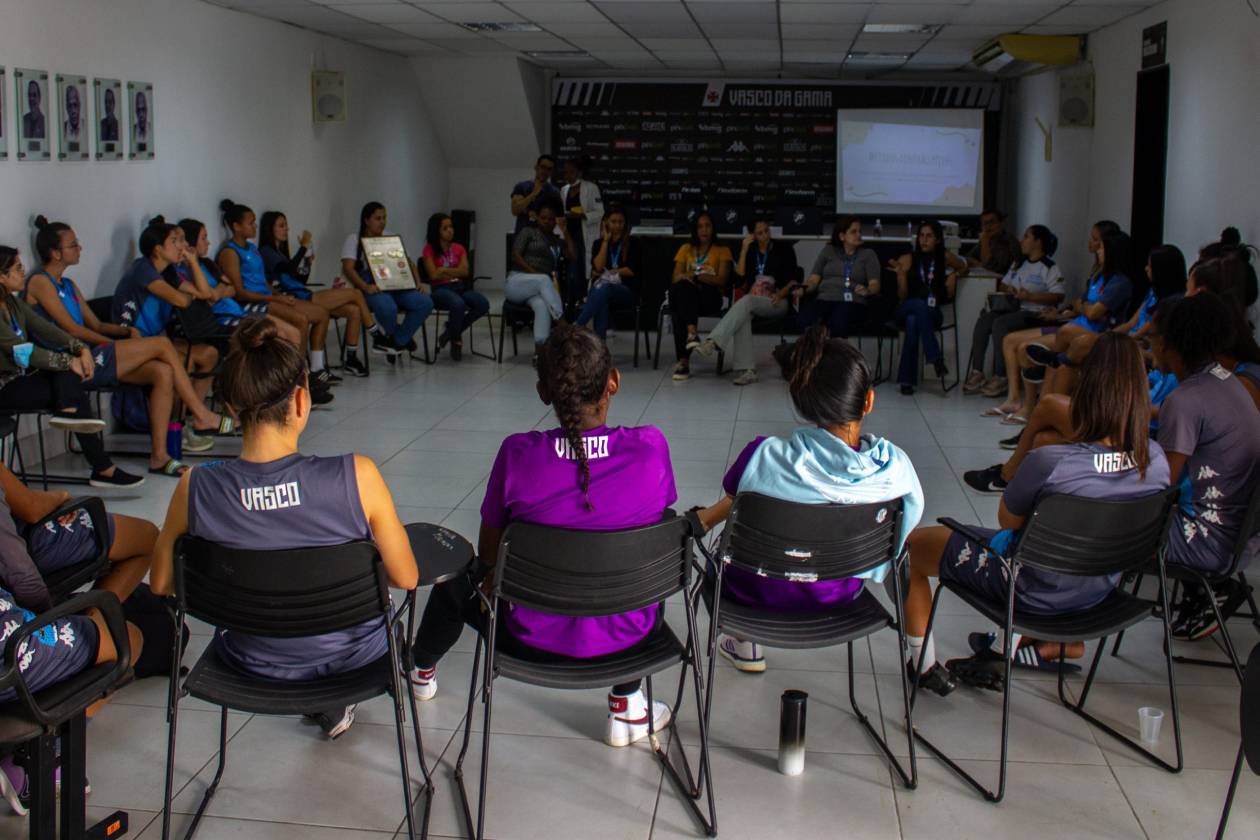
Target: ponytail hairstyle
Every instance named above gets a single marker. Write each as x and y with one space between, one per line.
573 367
829 379
233 213
1113 399
154 236
192 232
1049 243
260 374
433 233
267 232
48 237
366 213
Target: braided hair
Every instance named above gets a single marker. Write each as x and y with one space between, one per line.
573 367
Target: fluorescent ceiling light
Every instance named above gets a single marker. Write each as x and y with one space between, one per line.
878 57
900 28
502 27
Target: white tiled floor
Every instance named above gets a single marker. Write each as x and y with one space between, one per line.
434 431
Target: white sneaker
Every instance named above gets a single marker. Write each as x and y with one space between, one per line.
628 721
424 683
746 377
708 348
333 727
745 656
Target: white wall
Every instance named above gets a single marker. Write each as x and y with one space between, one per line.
1212 177
233 119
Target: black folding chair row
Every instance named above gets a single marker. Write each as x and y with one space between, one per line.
34 723
515 316
1249 726
1080 537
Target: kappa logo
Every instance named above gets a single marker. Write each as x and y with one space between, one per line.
798 218
737 146
732 216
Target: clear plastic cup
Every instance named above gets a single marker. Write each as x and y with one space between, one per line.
1149 720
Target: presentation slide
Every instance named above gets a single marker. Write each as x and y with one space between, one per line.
909 162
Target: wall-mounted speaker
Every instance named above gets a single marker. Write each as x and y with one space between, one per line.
328 96
1076 100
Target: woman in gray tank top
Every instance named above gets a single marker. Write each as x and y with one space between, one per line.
273 497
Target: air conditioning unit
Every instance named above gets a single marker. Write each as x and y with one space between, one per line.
1012 54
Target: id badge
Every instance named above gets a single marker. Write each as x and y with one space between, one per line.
931 301
848 297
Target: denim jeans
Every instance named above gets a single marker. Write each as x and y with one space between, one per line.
539 293
995 327
841 317
385 307
599 304
919 322
463 306
734 332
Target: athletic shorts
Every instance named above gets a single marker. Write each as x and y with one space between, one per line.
106 373
67 541
979 569
55 653
257 309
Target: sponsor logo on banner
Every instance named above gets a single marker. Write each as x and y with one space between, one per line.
795 146
626 145
710 128
681 147
570 126
764 128
647 125
824 128
732 216
737 146
798 217
713 94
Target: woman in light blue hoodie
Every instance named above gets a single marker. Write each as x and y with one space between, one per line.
831 461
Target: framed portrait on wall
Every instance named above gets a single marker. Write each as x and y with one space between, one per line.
4 136
109 141
140 95
30 93
73 116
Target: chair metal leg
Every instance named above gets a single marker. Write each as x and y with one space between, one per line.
660 330
636 336
1137 586
397 666
906 778
1229 797
43 780
463 750
74 775
218 774
503 328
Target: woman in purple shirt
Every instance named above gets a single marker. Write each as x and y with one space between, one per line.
1110 456
583 475
273 497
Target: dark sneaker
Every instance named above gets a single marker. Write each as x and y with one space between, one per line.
354 367
1197 620
936 679
986 670
336 723
907 390
457 351
939 367
333 379
120 478
988 480
320 394
1035 374
324 378
1043 355
383 345
1011 442
412 346
682 371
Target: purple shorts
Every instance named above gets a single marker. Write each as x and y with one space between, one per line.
67 542
57 652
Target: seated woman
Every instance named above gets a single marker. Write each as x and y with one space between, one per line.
385 305
832 461
765 271
151 290
337 500
1110 416
121 354
582 475
1036 283
702 271
446 266
1101 308
35 378
290 274
242 265
536 253
1210 429
927 279
615 267
845 277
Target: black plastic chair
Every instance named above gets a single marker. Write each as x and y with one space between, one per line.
259 593
512 317
591 573
782 540
1070 535
1249 726
949 324
437 320
63 582
34 723
665 314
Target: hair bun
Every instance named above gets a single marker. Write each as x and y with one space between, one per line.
226 204
41 222
255 334
159 219
1231 237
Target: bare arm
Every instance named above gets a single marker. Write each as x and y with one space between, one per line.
41 293
1009 520
230 265
488 545
387 530
957 263
162 572
716 514
520 203
901 265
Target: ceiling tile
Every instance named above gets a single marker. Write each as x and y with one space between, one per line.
668 44
660 11
1057 29
582 30
736 44
386 12
1091 17
707 10
889 43
429 31
1004 14
739 30
815 46
970 33
408 46
926 13
840 31
622 44
676 29
823 12
469 11
553 11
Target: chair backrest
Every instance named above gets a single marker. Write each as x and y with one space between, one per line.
1249 711
284 594
809 542
102 307
1247 531
1073 535
591 573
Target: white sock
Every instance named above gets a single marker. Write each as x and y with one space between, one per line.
352 349
1015 637
927 650
317 360
375 329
